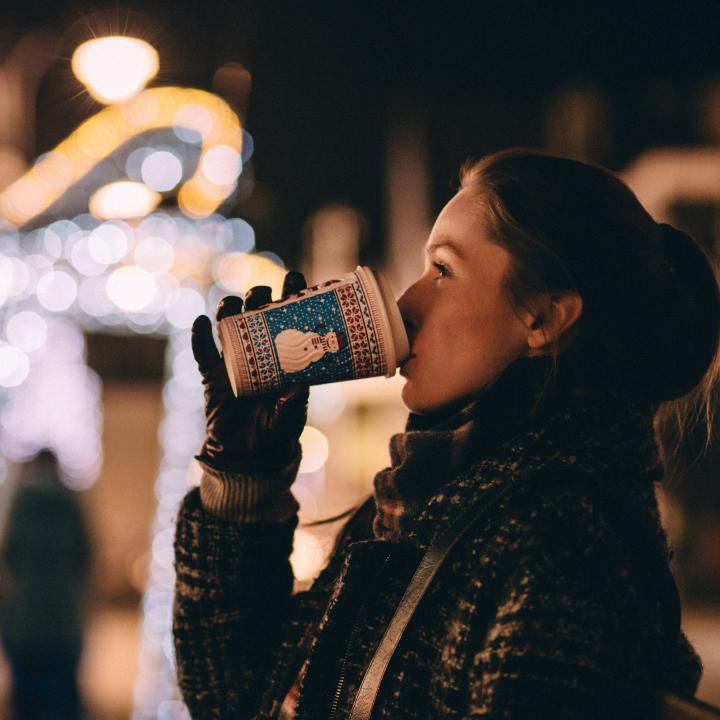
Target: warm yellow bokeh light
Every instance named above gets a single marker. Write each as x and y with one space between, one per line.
237 272
54 170
96 138
101 135
123 200
26 196
115 68
315 450
307 557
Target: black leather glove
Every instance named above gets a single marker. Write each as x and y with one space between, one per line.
253 433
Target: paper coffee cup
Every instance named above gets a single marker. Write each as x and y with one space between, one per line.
342 329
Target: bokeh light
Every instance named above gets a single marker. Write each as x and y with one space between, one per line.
56 290
222 165
134 162
184 306
161 170
238 272
196 116
124 199
248 146
93 298
155 254
14 277
56 387
25 197
97 137
142 111
108 243
243 235
14 366
307 556
151 275
327 403
54 168
131 288
52 243
26 330
185 370
83 260
192 123
154 274
115 68
315 449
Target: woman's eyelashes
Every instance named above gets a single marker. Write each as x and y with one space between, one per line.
443 270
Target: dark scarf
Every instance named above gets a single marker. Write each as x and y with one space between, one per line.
514 428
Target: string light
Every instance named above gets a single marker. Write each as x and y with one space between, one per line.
152 274
47 388
155 275
195 115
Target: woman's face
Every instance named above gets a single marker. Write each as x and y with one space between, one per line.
462 329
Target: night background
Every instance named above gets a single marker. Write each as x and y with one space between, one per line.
360 115
329 78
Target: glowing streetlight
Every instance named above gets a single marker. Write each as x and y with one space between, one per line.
115 68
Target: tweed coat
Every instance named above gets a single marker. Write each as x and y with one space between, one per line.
554 606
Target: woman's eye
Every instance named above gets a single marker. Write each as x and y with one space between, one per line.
442 269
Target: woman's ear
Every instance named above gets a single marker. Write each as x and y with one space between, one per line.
554 316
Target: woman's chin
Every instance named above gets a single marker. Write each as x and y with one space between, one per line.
424 403
414 400
408 396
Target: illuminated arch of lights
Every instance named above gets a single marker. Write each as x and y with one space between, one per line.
195 115
152 274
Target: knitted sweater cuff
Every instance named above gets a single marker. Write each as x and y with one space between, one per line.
257 497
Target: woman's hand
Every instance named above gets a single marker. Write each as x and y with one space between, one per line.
246 433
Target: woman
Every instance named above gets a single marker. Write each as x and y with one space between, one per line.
552 317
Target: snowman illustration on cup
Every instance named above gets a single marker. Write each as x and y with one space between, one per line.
296 350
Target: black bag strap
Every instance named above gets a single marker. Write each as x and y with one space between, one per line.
420 582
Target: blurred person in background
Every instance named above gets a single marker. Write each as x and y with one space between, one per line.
552 319
43 590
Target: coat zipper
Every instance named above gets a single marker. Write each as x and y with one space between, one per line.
341 679
343 662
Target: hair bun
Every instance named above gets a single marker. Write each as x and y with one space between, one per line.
693 313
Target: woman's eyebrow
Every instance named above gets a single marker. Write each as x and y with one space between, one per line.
445 243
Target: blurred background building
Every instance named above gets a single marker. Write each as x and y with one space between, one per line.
140 182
